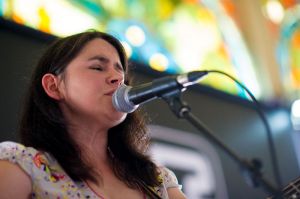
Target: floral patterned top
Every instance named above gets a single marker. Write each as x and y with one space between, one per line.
51 181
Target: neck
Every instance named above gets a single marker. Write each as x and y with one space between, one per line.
92 143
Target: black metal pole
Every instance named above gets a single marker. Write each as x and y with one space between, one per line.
251 169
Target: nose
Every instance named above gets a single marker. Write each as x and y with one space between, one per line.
115 79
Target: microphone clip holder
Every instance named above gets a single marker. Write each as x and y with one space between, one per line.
251 170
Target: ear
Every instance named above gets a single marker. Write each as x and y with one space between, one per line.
50 84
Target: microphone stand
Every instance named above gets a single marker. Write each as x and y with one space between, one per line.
250 169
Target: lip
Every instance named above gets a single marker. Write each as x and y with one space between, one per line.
110 93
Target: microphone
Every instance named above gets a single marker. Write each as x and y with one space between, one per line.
127 99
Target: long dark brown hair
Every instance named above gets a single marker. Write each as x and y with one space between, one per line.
43 125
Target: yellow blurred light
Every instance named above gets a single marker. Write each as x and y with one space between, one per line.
44 24
127 48
159 62
27 11
195 41
135 35
57 17
67 19
275 11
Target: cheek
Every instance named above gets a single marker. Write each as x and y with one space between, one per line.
81 90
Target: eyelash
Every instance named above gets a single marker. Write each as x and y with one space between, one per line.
120 69
99 68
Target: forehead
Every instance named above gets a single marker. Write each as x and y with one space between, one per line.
99 46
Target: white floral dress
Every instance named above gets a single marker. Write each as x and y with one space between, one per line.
51 181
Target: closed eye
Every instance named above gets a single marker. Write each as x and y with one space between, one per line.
119 67
99 68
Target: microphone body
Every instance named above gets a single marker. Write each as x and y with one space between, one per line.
127 99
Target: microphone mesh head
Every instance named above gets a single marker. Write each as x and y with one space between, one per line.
120 100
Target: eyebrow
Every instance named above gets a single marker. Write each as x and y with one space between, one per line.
104 60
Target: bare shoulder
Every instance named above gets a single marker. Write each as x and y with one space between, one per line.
175 193
14 183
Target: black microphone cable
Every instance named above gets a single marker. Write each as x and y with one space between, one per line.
270 139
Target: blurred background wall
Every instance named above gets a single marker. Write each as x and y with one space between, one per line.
257 42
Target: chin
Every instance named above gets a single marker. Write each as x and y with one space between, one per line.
123 117
118 118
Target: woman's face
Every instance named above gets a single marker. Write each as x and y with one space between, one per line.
88 83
